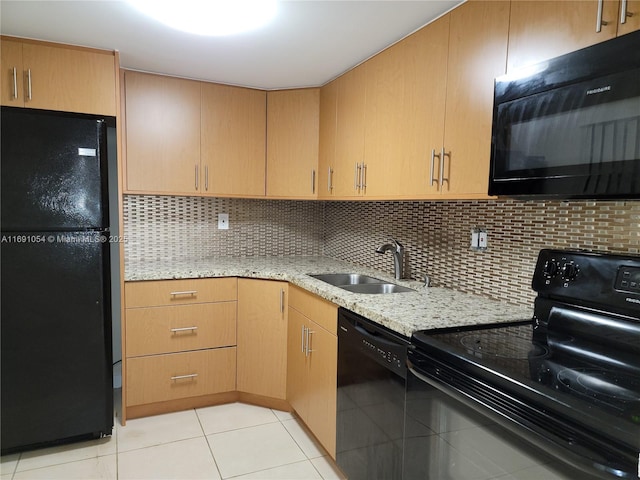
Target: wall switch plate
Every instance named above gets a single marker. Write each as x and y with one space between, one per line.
223 221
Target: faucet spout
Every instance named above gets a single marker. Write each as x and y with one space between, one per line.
398 256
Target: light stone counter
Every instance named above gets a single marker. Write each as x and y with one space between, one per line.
405 313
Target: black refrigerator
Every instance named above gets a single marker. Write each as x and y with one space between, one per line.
56 370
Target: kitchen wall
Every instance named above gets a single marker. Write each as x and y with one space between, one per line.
436 235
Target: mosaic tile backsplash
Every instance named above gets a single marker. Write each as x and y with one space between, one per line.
436 235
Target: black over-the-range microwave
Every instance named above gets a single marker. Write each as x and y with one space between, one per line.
570 127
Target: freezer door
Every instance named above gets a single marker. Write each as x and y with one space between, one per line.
56 365
53 171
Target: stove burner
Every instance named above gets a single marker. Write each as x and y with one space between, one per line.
493 344
598 383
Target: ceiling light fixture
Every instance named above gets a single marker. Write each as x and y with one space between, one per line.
210 17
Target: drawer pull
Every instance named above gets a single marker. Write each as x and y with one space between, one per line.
181 377
186 292
183 329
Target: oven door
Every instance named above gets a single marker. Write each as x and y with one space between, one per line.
459 427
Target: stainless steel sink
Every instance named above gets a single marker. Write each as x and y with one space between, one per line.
377 288
340 279
357 283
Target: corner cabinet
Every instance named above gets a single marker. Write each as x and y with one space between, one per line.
180 348
312 349
540 30
58 77
292 143
262 338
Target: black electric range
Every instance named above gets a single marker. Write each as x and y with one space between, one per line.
568 380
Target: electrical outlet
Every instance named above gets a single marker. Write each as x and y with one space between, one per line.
223 221
479 238
482 240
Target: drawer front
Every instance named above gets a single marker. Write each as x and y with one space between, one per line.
179 328
179 292
321 311
160 378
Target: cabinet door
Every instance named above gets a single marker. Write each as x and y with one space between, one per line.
477 54
69 79
292 143
297 377
162 134
262 337
350 124
233 140
539 30
12 81
631 17
322 386
327 139
405 103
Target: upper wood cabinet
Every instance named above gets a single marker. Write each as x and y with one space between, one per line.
47 76
540 30
233 140
292 143
404 115
262 337
162 134
477 52
327 139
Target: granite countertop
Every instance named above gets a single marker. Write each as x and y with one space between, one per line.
405 313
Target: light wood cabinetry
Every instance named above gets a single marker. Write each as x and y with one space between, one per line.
262 337
540 29
477 52
327 139
180 338
233 140
292 143
162 134
56 77
405 101
312 347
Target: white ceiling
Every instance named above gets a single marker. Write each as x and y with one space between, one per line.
308 43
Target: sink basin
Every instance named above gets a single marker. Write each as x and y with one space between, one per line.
340 279
376 288
357 283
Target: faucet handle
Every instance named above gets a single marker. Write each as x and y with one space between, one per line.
397 244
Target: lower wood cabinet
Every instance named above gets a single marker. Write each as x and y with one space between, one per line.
262 337
160 378
180 344
312 349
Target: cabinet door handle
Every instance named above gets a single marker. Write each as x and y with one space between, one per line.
442 177
206 177
185 292
308 350
282 300
363 183
313 181
302 339
624 13
599 21
15 83
356 178
183 329
181 377
29 96
433 180
330 179
197 177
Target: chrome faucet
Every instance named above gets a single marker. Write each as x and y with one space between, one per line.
398 256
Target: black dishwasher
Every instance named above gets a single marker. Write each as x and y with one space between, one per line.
372 374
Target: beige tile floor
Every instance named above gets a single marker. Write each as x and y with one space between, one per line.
227 441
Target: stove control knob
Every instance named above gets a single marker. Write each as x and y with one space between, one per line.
550 268
570 271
